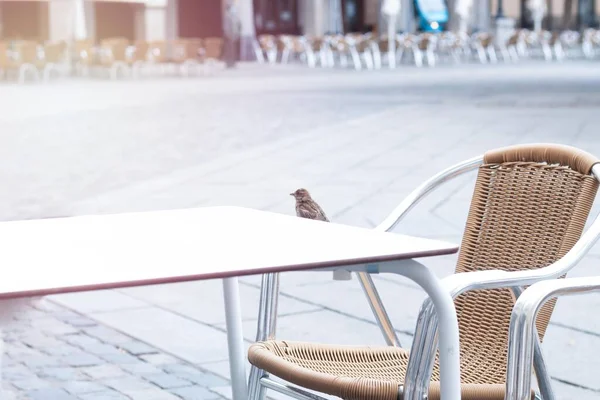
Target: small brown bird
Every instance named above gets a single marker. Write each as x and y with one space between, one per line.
306 207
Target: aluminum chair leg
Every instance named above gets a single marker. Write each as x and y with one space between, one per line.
266 329
258 53
355 59
492 54
418 57
539 364
376 56
430 57
381 315
369 63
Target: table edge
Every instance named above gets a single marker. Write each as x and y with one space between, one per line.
228 274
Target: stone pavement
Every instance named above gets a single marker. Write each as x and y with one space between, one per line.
359 141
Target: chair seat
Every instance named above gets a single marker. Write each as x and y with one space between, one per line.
352 372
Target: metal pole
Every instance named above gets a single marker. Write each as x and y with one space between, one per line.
500 10
235 339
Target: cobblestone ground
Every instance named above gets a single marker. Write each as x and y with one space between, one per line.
360 141
54 353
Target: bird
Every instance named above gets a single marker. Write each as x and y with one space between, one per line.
306 207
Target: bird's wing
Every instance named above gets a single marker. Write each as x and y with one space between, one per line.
307 212
322 216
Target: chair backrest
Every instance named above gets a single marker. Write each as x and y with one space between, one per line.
116 49
158 51
140 52
213 47
185 49
55 52
529 208
84 51
27 51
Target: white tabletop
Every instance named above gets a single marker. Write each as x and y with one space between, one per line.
60 255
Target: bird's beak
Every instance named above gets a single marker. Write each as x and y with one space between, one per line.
291 194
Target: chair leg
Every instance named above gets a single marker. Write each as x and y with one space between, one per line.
492 54
418 57
381 315
256 391
258 52
355 59
266 328
311 60
368 59
430 57
235 338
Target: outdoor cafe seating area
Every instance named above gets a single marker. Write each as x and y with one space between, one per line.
370 51
112 58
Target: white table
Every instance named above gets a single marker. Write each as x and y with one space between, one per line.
61 255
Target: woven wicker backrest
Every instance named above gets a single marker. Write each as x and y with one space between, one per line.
28 52
213 47
529 207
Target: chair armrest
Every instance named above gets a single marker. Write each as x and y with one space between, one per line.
424 189
422 358
522 328
464 282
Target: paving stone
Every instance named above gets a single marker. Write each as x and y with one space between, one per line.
141 368
82 360
31 384
166 381
105 395
121 359
195 375
152 394
62 349
107 335
54 327
50 393
159 359
41 361
103 371
60 373
16 372
103 349
128 383
83 387
80 322
137 348
195 393
81 340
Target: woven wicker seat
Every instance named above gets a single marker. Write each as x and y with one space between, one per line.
529 208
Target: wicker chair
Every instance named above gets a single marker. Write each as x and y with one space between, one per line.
138 57
25 59
213 51
528 211
114 56
185 53
84 56
54 59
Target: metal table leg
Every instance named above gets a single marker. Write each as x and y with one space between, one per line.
448 322
235 338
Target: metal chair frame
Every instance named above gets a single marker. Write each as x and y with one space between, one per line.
422 354
522 345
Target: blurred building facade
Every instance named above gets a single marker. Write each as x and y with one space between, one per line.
133 19
169 19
